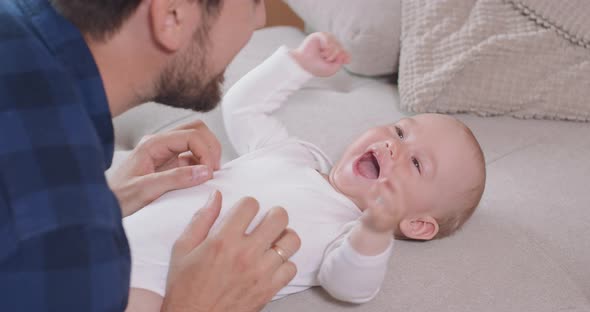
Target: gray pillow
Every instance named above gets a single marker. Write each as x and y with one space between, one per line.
369 29
527 58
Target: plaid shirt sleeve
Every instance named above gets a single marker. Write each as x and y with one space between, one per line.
73 268
62 244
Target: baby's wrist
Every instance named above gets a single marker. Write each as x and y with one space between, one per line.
298 57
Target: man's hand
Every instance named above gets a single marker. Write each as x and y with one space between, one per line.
177 159
321 54
230 270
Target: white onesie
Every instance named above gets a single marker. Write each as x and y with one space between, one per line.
277 170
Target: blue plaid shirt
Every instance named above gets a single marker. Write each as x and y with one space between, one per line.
62 244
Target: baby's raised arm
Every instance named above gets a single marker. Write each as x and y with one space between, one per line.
349 275
321 55
248 104
354 266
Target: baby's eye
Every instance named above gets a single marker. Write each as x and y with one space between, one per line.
399 132
416 164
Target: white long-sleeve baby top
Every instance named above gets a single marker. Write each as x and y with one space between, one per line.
277 170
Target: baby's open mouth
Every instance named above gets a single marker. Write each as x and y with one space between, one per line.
368 166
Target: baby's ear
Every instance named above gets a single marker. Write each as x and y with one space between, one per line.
419 228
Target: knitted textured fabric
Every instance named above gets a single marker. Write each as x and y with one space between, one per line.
526 58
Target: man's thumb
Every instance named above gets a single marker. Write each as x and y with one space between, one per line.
198 228
159 183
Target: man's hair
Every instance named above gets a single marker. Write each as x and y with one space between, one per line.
100 19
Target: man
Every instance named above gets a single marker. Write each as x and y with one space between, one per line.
66 68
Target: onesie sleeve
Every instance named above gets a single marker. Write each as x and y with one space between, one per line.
248 104
350 276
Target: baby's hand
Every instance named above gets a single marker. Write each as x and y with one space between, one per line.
381 217
321 54
377 227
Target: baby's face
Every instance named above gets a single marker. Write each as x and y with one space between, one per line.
415 166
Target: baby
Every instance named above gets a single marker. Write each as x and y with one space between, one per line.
420 178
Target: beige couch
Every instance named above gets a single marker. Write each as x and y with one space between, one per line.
525 249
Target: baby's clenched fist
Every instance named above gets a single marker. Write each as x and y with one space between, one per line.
321 54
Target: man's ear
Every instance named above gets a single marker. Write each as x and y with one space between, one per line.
420 228
173 22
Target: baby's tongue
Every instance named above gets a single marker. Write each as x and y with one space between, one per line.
367 168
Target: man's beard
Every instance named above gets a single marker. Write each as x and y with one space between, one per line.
185 82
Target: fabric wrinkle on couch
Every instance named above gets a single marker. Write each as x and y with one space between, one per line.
526 247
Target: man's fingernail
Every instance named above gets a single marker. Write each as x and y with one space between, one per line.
200 173
211 198
197 214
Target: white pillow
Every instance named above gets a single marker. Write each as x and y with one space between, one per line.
369 29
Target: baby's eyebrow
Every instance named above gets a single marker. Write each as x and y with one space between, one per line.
405 120
410 120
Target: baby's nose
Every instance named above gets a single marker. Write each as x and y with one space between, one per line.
389 147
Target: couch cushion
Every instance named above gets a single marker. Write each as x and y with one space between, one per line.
523 250
369 29
492 265
496 57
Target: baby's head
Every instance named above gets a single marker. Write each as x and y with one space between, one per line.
429 169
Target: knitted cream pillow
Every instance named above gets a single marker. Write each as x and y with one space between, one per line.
369 29
527 58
